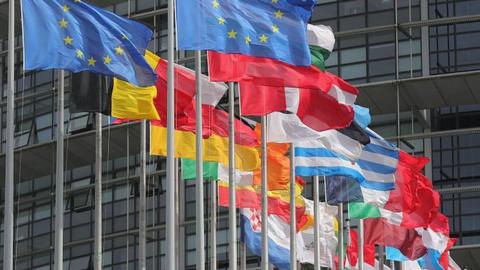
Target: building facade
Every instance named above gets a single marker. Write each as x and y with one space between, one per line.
416 63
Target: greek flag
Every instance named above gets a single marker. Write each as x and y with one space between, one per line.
375 168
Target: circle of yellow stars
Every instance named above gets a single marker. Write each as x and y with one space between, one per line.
232 34
91 61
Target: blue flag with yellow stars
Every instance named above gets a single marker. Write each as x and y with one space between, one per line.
76 36
265 28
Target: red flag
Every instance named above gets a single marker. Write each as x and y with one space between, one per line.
320 99
352 251
413 195
408 241
445 258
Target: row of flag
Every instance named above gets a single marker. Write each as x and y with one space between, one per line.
278 61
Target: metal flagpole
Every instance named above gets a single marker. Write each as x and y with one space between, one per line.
170 181
316 219
341 252
58 261
293 220
264 196
142 242
381 259
97 265
9 151
200 237
360 245
213 228
243 260
232 210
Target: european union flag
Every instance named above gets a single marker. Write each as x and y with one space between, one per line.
265 28
76 36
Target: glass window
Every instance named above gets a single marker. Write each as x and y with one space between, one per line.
41 227
375 5
381 67
404 47
353 71
352 55
121 192
43 121
407 63
381 51
353 22
351 7
81 263
381 18
42 212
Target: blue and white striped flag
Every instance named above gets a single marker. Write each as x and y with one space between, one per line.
375 168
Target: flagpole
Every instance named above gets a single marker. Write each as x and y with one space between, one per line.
58 260
213 229
243 262
316 219
381 259
232 203
340 238
142 242
97 260
293 219
264 263
9 151
200 236
360 245
170 181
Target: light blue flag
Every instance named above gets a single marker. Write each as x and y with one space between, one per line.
362 116
76 36
374 169
265 28
429 261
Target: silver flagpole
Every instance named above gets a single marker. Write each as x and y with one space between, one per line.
97 261
360 245
264 263
142 242
9 151
293 218
316 218
200 239
213 229
232 203
381 259
58 261
243 259
341 252
170 181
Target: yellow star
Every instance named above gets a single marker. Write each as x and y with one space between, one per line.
278 14
215 4
248 40
68 40
124 36
107 60
275 28
63 23
66 8
79 53
274 1
232 34
263 38
119 50
221 20
91 61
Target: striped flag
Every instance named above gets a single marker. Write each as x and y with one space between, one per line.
374 169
